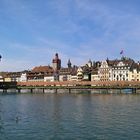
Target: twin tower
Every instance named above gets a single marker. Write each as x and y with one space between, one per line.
56 63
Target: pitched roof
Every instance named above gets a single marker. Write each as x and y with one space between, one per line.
94 71
42 69
65 71
135 66
72 71
128 62
110 62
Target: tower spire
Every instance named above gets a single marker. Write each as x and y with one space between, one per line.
69 63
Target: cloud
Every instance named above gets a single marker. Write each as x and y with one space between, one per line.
76 29
14 65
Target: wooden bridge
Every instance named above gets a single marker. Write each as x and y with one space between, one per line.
82 83
70 85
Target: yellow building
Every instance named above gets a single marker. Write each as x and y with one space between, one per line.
80 74
7 79
134 73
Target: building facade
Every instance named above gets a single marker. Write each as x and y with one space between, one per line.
105 71
121 70
134 73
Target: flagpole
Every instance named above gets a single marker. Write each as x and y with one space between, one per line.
122 54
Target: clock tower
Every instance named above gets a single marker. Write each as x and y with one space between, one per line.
56 62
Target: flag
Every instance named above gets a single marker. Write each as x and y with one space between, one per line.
121 52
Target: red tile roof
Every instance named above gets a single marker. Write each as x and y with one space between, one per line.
42 69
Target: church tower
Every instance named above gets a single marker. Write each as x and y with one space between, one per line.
69 64
89 63
56 62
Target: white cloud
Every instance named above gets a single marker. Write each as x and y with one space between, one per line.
14 65
84 29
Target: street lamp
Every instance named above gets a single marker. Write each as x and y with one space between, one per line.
0 57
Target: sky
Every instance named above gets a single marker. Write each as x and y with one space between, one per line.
32 31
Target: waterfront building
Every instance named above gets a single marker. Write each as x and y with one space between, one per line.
134 73
80 74
84 73
105 70
124 69
95 75
49 78
3 75
87 72
65 74
68 74
23 77
7 79
38 73
12 76
1 79
121 69
73 76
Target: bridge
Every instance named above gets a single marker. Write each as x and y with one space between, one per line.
82 83
70 85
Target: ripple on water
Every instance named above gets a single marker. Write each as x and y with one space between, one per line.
44 116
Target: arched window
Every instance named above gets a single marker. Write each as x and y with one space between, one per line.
117 77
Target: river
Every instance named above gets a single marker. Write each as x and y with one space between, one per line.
69 117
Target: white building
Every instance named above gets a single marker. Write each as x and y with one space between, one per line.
49 79
1 79
121 70
23 77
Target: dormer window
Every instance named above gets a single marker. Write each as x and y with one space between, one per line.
120 64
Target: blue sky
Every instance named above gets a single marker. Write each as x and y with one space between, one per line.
32 31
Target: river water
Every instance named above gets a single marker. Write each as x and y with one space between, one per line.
69 117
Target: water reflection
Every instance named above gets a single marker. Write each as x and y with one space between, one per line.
1 120
73 116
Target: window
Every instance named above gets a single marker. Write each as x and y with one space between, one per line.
114 75
117 78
